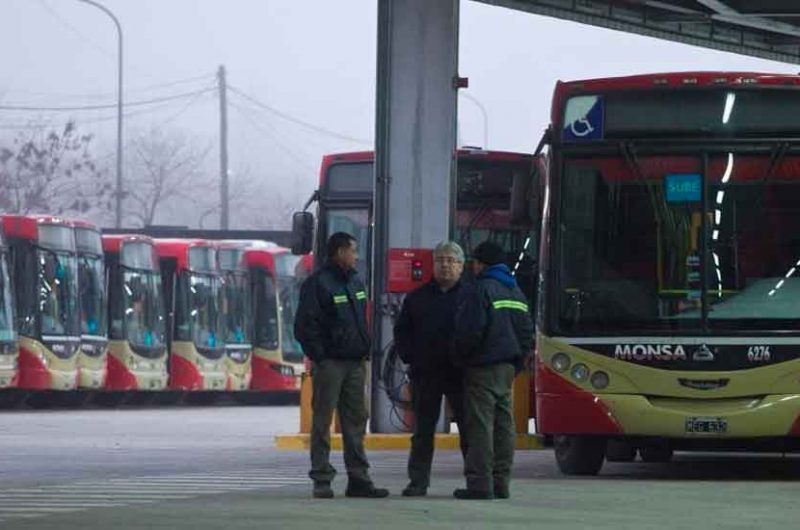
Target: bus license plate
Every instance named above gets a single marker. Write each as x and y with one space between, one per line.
706 425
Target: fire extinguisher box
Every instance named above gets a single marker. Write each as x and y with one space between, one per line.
409 268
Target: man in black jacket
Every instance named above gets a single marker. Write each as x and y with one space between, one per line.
331 326
423 336
494 331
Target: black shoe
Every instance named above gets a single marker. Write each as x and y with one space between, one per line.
468 494
322 490
414 491
367 491
501 492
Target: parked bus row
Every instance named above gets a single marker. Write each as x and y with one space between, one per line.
127 314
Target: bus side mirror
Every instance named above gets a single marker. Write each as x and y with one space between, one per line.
302 233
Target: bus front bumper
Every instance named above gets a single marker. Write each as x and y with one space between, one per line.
752 417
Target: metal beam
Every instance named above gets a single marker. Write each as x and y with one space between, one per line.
744 35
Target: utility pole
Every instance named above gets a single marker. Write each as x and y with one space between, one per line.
223 149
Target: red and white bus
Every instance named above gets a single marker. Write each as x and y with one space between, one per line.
93 299
45 279
8 326
497 199
486 182
670 317
237 314
277 358
192 290
137 357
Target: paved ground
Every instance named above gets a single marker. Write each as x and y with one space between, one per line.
197 468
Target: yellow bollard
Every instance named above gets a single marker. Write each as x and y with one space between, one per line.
306 393
306 409
521 401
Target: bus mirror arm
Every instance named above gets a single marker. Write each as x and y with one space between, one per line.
543 141
314 197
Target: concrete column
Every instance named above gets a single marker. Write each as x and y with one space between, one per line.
415 147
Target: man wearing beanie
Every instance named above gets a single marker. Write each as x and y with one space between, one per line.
494 333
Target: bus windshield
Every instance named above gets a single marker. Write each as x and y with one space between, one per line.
236 309
7 331
92 287
143 308
483 213
695 242
288 298
267 331
204 315
58 300
354 221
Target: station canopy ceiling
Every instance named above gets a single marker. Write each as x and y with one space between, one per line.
762 28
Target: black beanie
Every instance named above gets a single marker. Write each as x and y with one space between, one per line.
489 253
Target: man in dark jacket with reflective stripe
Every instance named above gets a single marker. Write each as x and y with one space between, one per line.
423 337
331 326
494 331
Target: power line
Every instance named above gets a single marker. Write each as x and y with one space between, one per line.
186 107
297 121
131 114
274 137
105 105
96 95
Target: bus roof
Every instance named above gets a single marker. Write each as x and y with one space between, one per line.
83 223
112 243
27 226
178 249
472 153
264 257
565 89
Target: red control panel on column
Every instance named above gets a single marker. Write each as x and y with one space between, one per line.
409 268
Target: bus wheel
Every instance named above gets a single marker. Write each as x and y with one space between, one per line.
620 451
579 455
657 454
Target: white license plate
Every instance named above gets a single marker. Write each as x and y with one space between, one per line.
706 425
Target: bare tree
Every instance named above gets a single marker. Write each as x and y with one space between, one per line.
43 170
165 167
271 208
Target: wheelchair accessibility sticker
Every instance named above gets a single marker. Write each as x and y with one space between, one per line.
583 119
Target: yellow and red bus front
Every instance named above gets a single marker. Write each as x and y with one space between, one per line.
237 313
93 297
277 362
137 358
192 280
45 278
670 261
9 351
624 388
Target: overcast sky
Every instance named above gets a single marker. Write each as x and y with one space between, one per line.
313 60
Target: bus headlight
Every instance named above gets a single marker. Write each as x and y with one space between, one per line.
560 362
600 380
580 372
43 358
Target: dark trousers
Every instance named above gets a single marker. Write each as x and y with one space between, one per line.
339 385
427 389
490 426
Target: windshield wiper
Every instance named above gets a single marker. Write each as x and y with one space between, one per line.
775 159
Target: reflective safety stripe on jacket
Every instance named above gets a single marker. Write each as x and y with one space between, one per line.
510 304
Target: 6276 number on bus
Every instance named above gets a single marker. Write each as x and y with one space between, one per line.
758 354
